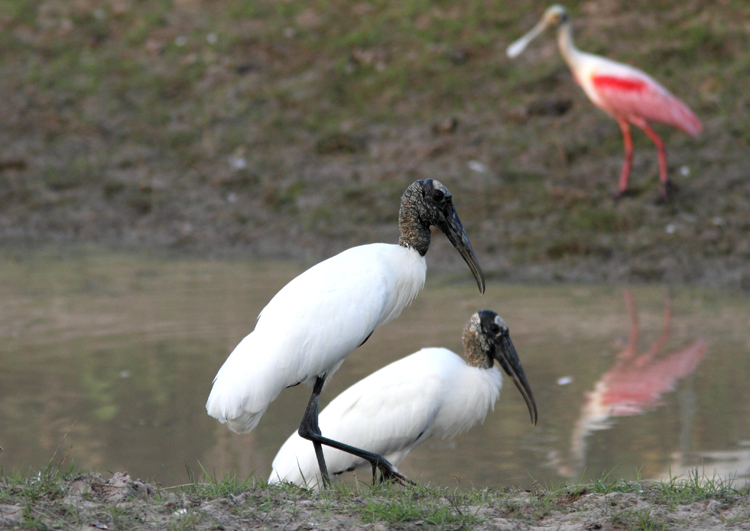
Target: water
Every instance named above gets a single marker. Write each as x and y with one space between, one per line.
106 361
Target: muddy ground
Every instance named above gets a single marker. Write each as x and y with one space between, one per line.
93 502
289 130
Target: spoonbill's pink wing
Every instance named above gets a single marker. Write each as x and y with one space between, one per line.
630 96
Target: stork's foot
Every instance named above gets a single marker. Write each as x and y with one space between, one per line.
667 192
388 472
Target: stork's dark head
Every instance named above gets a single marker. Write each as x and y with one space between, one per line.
486 339
428 202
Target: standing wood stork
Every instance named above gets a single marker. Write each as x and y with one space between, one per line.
625 93
308 329
433 392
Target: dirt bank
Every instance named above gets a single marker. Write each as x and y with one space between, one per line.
291 129
91 502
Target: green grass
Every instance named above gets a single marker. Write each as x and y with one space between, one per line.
411 43
106 100
435 507
205 502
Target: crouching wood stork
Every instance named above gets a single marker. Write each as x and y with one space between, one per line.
308 329
433 392
625 93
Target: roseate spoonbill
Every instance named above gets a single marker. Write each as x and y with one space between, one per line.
625 93
433 392
308 329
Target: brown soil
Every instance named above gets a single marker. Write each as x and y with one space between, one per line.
117 132
91 502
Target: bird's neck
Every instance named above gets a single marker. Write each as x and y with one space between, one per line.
567 48
414 233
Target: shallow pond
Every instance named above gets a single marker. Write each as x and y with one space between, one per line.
106 361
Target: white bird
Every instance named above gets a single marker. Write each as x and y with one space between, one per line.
308 329
433 392
627 94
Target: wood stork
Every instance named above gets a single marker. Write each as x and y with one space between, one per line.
308 329
433 392
625 93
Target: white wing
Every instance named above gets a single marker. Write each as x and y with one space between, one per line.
390 412
312 325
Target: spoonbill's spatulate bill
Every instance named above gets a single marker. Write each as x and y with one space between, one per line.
433 392
625 93
308 329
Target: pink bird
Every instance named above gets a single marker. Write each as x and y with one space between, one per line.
625 93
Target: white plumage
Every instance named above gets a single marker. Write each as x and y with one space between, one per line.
433 392
309 327
312 325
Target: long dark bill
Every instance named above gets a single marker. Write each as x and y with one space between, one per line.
507 357
455 232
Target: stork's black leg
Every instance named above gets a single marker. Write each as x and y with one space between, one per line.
309 426
309 430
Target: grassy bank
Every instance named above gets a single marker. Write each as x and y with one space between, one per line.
55 499
219 127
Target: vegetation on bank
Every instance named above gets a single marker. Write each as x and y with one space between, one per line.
63 499
201 125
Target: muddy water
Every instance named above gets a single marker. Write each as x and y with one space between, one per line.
106 361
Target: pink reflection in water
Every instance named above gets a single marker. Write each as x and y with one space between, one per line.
632 386
635 384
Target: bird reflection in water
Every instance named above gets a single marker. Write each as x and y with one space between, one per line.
633 386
